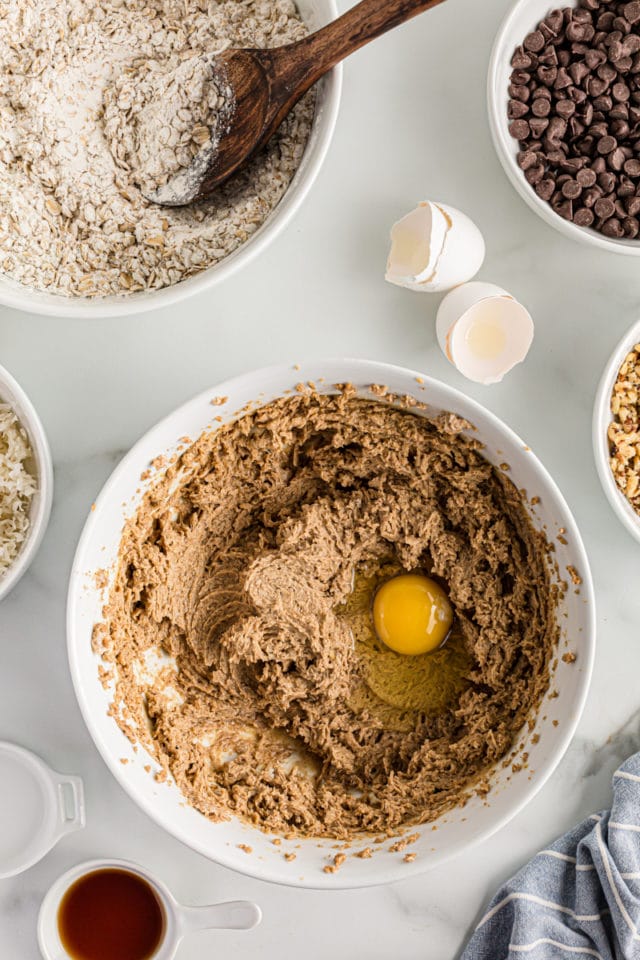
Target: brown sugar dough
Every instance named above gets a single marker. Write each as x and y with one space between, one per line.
232 575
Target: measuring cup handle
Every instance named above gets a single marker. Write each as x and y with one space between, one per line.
233 915
72 818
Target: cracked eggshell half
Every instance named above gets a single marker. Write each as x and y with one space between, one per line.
483 331
434 248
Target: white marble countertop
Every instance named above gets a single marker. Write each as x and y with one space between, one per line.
412 126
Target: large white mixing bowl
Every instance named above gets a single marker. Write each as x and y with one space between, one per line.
315 13
458 829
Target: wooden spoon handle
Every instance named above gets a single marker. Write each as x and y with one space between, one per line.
298 66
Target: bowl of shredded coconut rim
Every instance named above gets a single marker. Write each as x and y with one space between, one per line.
102 105
26 482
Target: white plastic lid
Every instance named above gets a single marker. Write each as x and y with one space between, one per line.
37 808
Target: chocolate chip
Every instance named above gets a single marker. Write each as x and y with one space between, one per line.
620 92
519 129
626 188
591 196
619 112
563 80
547 75
578 72
615 160
580 32
632 11
605 21
583 217
545 189
605 208
554 21
565 109
592 58
571 190
632 206
557 128
621 25
623 64
605 71
615 50
631 45
612 228
631 227
620 129
535 174
519 92
527 159
549 58
632 168
541 107
520 77
586 177
595 87
577 95
534 42
607 181
606 145
576 128
587 113
538 125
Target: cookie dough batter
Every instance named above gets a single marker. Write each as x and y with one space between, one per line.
240 637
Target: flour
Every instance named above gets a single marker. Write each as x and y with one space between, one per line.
74 156
163 121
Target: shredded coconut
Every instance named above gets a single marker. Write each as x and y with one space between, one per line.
17 487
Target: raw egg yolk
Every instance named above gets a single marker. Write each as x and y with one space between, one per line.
412 614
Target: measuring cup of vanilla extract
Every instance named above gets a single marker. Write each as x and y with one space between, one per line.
116 910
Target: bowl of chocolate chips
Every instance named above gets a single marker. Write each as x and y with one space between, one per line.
564 110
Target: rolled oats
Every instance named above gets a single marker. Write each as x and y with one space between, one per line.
73 79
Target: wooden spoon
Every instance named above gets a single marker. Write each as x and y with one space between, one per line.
266 84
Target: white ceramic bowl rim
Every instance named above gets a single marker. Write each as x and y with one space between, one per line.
20 297
357 372
602 417
522 18
12 393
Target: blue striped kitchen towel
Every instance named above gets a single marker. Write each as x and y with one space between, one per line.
581 897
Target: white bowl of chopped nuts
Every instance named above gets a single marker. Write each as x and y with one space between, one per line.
26 482
597 202
77 236
616 431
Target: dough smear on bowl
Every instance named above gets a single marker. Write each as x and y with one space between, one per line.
237 626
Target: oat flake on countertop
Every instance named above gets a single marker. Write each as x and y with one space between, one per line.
72 220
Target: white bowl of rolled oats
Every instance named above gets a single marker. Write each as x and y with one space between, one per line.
77 237
616 430
26 482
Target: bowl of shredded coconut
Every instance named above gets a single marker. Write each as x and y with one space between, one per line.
26 482
104 105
